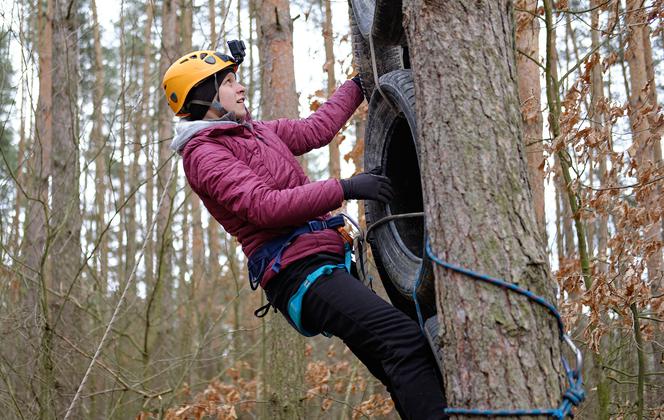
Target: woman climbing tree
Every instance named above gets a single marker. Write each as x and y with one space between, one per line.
246 174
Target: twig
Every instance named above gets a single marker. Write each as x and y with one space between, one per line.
651 319
622 187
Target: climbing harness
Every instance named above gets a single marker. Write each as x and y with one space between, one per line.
574 394
295 302
274 249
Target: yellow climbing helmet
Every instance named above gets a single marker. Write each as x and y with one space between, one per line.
190 70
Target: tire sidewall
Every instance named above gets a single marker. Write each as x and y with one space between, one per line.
395 262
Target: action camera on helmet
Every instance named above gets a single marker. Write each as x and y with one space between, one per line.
237 49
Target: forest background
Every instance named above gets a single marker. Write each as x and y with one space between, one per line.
118 298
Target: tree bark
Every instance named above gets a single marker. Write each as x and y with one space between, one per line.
36 227
66 212
100 154
528 72
212 17
597 122
285 376
39 164
501 350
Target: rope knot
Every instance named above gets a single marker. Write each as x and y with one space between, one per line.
575 395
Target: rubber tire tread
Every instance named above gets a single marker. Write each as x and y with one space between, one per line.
398 271
388 58
387 27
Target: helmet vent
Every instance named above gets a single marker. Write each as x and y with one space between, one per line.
184 61
210 59
174 97
193 56
203 55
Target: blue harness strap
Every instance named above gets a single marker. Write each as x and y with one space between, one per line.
274 249
295 302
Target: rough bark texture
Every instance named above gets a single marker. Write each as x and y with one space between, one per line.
285 376
275 29
36 227
66 213
39 166
501 350
528 71
212 15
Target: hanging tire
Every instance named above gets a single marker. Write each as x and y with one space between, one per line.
388 57
387 25
398 246
381 19
431 331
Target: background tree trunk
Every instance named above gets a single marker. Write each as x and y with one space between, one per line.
36 225
159 291
328 39
100 152
528 72
479 207
66 214
644 156
285 375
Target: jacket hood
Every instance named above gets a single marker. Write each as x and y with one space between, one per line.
185 130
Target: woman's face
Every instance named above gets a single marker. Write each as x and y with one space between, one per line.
231 96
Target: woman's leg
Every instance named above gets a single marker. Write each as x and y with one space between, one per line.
381 336
376 369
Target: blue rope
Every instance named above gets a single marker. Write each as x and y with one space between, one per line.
417 302
574 394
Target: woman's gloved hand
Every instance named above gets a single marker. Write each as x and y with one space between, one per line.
357 80
368 186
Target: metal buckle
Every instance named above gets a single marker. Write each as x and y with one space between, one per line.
579 356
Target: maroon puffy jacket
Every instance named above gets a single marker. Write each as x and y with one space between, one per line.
251 183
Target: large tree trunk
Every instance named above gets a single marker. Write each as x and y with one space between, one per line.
528 72
285 376
501 350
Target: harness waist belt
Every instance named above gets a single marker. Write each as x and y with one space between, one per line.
273 249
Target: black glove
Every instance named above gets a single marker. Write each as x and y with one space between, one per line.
357 80
368 186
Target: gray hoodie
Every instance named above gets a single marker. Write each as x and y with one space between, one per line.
185 129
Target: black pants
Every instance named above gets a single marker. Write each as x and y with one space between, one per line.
387 341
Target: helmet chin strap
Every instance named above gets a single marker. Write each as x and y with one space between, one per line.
215 105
